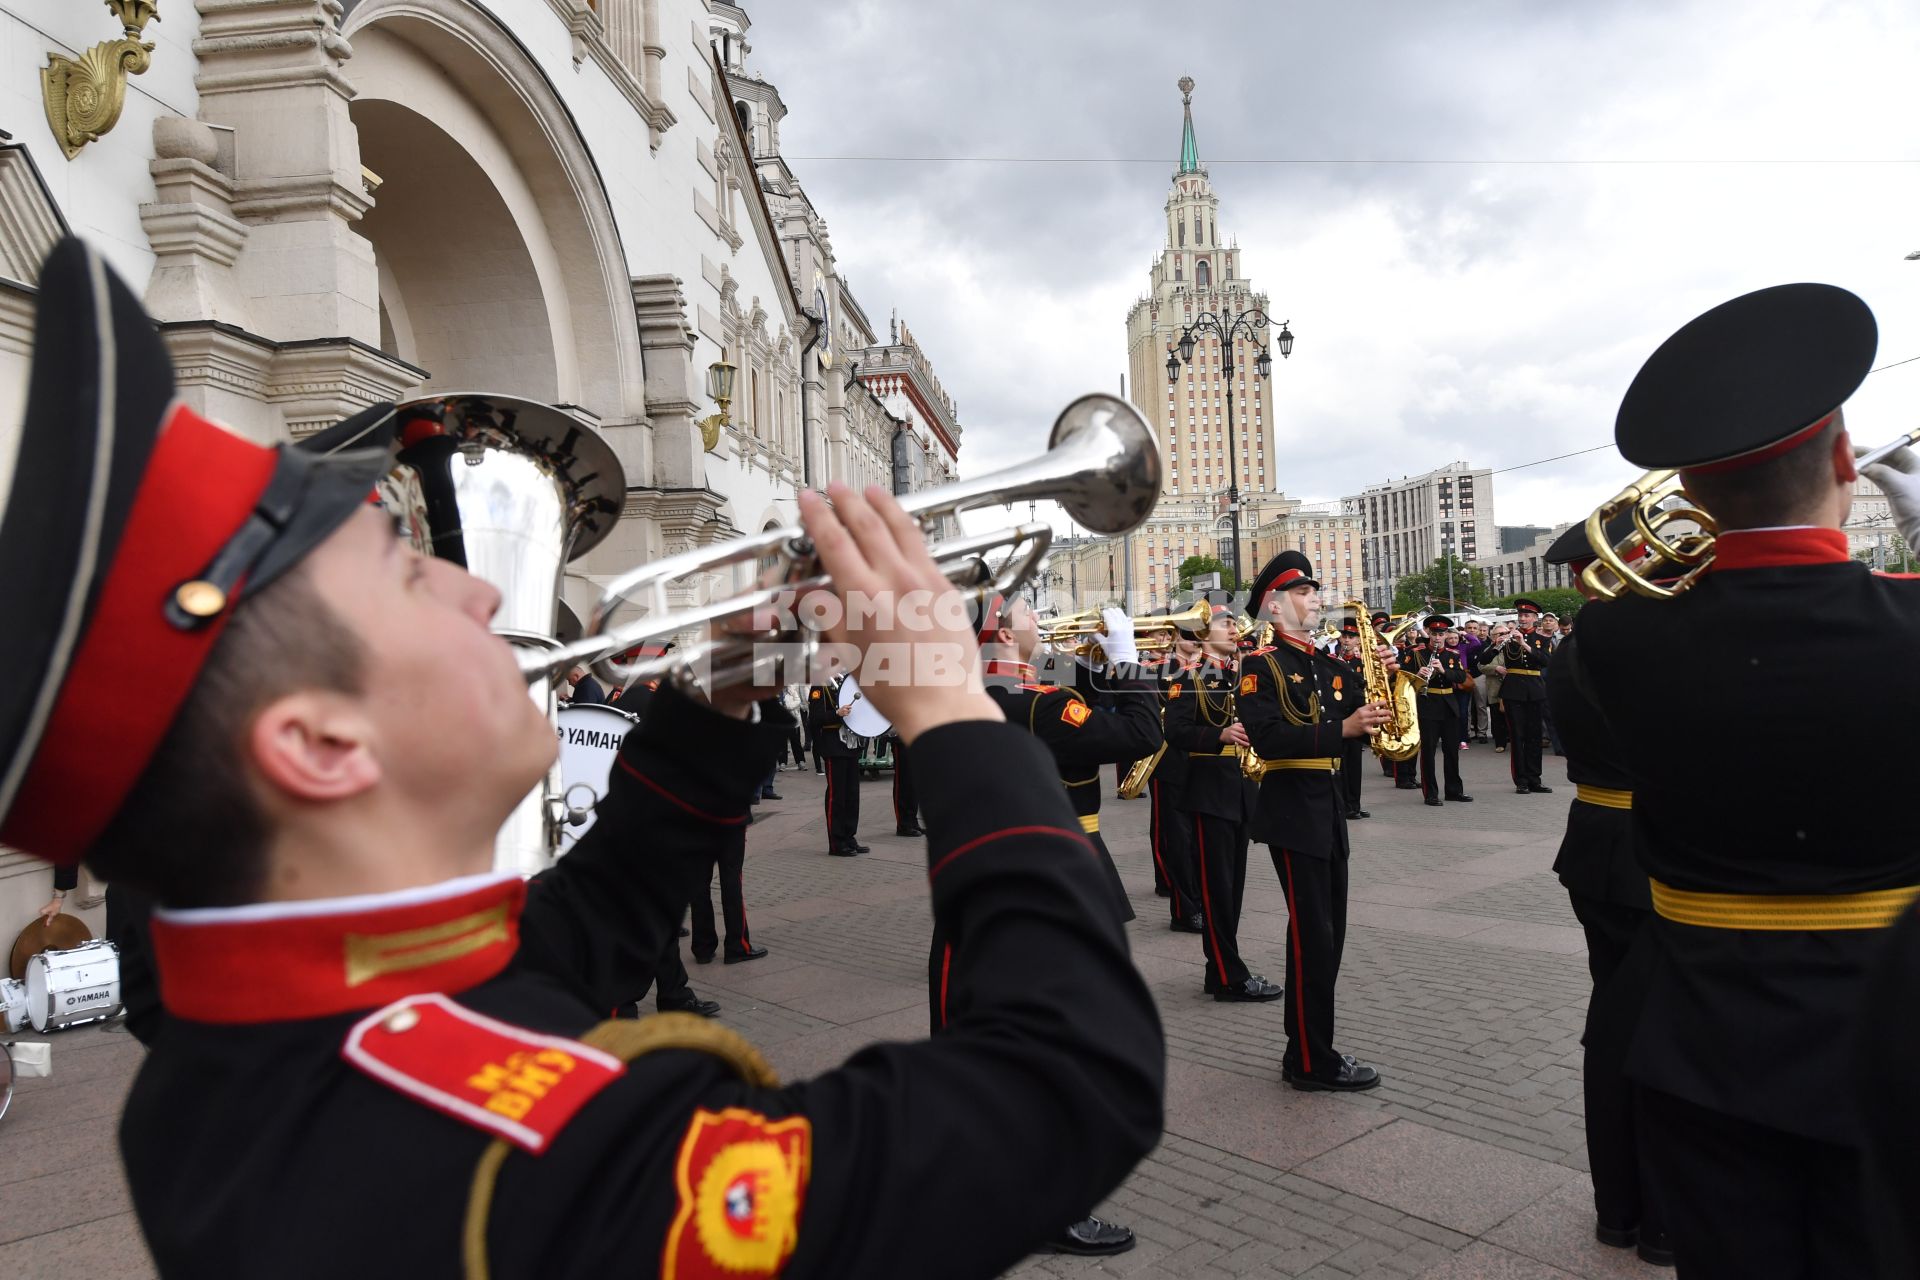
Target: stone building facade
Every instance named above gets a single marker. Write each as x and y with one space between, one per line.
1415 520
331 202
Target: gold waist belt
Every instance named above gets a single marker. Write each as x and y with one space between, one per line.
1090 823
1326 764
1522 671
1605 797
1440 693
1876 909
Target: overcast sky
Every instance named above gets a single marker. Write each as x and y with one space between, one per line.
1489 213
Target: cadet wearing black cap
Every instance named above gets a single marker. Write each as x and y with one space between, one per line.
374 1047
1608 890
1299 708
1770 905
1169 825
1524 693
1201 720
1443 675
1354 750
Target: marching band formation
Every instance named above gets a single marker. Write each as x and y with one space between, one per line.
375 1037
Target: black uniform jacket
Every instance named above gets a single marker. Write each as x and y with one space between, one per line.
1451 677
1527 651
1740 788
1081 735
1596 858
823 717
338 1078
1199 706
1171 772
1293 700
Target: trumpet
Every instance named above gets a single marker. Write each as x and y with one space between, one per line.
1655 501
1102 464
1077 631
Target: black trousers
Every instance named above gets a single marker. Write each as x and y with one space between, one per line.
1625 1184
843 801
1316 890
1439 731
733 904
1748 1202
1116 887
1497 721
1220 857
1351 753
906 805
1523 751
795 746
1170 831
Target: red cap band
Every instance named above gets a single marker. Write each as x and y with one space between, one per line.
1766 454
201 484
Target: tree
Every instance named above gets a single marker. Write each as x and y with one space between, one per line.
1899 557
1198 566
1428 588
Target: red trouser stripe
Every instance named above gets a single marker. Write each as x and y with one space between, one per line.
1299 983
1206 902
946 969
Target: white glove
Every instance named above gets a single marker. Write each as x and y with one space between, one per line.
1898 476
1118 642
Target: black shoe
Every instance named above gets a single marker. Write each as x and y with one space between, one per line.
1161 891
862 848
1542 791
1521 791
1195 923
741 957
851 851
1461 799
1434 801
1656 1249
687 1002
1255 990
1616 1237
703 957
908 831
771 795
1350 1078
1091 1238
1406 786
1358 813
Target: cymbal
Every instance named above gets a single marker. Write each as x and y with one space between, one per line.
58 934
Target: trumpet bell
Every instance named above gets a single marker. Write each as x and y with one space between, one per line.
1120 492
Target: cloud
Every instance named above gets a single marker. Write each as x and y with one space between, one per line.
1500 208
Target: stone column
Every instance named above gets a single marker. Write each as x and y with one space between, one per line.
270 70
666 346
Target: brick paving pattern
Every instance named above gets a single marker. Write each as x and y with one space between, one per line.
1464 982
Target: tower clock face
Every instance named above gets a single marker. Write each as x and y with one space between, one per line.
820 308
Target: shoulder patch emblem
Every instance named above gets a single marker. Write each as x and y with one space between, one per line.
742 1182
1174 690
1247 684
1075 712
516 1084
816 695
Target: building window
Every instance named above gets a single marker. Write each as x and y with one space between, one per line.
1183 232
1179 272
1199 230
1202 275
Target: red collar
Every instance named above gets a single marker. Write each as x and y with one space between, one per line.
1304 646
1773 548
1021 671
279 961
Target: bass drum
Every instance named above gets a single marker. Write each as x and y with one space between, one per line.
70 988
590 738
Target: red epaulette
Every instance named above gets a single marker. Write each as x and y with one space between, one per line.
516 1084
1041 688
1259 652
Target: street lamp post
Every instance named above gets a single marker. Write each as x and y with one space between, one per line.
1228 326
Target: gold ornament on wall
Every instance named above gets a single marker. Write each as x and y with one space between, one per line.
84 95
720 376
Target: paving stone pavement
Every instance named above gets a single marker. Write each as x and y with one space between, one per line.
1464 981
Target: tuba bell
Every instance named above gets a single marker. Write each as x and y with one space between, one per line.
511 490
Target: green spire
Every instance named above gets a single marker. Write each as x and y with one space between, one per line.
1189 149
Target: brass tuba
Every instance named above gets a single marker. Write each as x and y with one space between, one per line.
510 490
1399 738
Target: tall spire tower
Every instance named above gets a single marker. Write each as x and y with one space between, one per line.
1196 272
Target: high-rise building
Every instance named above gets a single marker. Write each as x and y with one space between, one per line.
1415 520
1198 271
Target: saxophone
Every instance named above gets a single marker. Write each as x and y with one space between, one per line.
1136 780
1399 738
